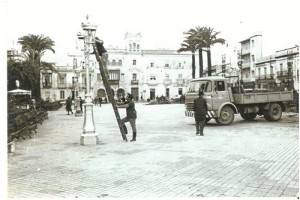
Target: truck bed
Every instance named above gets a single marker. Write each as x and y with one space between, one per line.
262 97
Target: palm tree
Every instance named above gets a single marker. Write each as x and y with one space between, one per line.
33 49
209 38
196 36
189 45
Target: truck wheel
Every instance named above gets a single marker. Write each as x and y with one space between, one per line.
226 116
248 116
207 120
274 112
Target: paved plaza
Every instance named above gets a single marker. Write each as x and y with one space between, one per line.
245 159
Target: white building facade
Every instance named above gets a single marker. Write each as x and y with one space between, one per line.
146 74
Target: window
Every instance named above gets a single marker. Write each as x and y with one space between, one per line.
196 86
122 77
98 77
253 43
219 86
62 94
180 91
167 77
152 64
281 67
179 76
114 74
167 65
74 63
47 80
265 70
271 70
138 47
259 73
120 63
114 62
134 76
62 80
134 47
134 62
130 47
179 65
253 58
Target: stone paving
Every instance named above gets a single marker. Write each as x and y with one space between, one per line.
245 159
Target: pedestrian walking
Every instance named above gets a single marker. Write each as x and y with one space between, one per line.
200 110
69 105
130 115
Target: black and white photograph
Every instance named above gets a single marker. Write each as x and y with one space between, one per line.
140 99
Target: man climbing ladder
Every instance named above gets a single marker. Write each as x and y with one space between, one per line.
100 51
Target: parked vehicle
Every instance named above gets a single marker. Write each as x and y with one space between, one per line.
226 98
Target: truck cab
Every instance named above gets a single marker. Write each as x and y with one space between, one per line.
217 92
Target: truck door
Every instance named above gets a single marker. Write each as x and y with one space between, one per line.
219 94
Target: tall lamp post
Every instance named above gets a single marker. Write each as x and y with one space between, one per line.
88 126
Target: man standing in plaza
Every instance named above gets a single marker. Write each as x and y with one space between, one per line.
130 115
200 110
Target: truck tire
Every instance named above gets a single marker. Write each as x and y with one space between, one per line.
248 116
226 116
274 112
207 120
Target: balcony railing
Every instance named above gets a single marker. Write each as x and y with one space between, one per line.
167 81
265 76
134 82
246 65
61 85
180 81
282 73
47 85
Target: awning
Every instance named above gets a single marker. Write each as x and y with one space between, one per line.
20 92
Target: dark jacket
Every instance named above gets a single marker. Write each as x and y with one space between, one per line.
200 106
130 111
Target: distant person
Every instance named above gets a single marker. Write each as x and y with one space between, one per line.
69 105
100 101
80 103
130 115
200 110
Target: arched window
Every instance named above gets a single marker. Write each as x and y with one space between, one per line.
114 63
120 62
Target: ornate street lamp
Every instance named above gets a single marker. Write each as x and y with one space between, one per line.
88 126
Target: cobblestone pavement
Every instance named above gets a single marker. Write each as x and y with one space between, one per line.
245 159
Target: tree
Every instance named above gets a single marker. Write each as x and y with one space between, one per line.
209 38
189 45
195 35
22 71
33 49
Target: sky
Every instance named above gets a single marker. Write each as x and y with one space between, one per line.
162 23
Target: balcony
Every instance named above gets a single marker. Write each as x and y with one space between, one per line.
282 74
265 77
245 65
61 85
47 85
114 82
180 81
134 82
167 81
